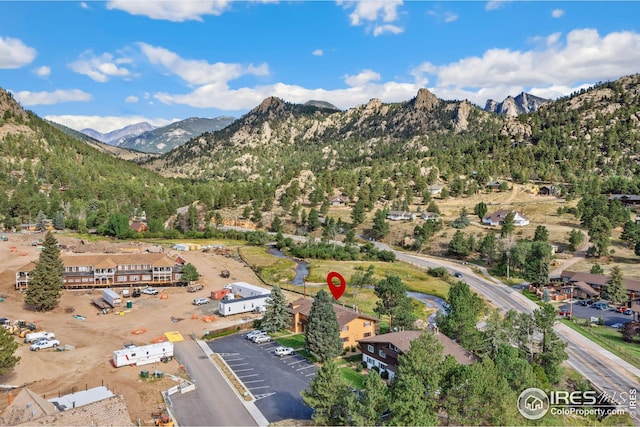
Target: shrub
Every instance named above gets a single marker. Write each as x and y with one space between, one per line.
384 375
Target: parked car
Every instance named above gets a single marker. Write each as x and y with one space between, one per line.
37 346
564 312
283 351
150 291
617 325
252 334
585 302
622 309
200 301
458 274
136 293
599 306
628 312
259 339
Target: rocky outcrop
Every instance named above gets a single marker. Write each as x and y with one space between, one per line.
523 103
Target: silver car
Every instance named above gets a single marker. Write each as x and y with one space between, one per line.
259 339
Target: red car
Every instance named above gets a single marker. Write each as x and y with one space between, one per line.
622 309
564 312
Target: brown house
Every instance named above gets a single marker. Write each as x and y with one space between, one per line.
382 351
106 270
338 200
353 325
599 281
139 226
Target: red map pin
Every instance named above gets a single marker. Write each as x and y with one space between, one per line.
336 290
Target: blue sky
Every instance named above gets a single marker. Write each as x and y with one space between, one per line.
106 64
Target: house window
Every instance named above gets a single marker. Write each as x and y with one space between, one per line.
367 334
394 348
345 339
345 328
367 323
370 348
382 354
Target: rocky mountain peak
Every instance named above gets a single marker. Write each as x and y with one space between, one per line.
425 100
9 104
523 103
271 104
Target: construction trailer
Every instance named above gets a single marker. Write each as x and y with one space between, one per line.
245 290
219 294
152 353
112 298
242 305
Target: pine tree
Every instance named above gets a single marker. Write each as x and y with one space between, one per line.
41 222
8 346
276 316
322 338
45 285
615 291
329 396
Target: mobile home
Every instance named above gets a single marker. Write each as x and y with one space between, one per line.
152 353
245 290
242 305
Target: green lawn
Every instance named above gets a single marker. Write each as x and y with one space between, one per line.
610 339
356 379
296 341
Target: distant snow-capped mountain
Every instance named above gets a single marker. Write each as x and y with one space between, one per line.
113 137
166 138
523 103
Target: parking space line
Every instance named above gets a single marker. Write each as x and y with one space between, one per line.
296 362
247 376
306 367
233 360
237 364
254 381
310 375
242 370
262 386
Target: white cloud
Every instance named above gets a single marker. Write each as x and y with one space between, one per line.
175 11
495 4
557 13
374 12
583 57
200 72
105 124
131 99
43 71
362 79
318 52
28 98
382 29
84 5
100 68
450 17
14 53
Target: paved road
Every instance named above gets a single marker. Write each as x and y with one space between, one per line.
605 370
213 402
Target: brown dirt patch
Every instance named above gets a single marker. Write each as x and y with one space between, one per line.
51 373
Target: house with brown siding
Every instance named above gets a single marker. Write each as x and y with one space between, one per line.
353 325
107 270
597 282
383 351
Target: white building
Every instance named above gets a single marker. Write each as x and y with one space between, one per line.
498 217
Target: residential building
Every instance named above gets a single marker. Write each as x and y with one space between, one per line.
597 282
400 216
548 190
626 199
338 200
384 350
434 189
139 226
497 218
108 270
430 216
494 185
353 324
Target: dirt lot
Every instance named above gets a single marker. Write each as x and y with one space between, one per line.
94 339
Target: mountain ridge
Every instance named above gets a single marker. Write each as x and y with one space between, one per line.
510 106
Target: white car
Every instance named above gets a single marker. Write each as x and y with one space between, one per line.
252 334
37 346
283 351
259 339
200 301
617 325
150 291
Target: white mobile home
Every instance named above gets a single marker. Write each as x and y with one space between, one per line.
245 290
143 355
242 305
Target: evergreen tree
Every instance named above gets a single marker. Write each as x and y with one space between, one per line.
596 269
190 273
357 213
392 299
433 207
615 291
541 234
322 337
58 221
361 279
509 225
328 395
276 316
537 263
45 284
380 225
600 234
458 245
480 209
8 347
462 316
276 225
372 402
41 222
313 220
576 237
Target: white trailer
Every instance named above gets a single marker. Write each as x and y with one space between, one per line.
242 305
34 336
111 298
245 290
143 355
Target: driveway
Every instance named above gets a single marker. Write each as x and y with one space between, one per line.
609 316
213 402
276 382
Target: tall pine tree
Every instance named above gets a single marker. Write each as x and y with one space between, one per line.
276 316
322 338
45 284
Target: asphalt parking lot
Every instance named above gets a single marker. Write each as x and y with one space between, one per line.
609 316
276 382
